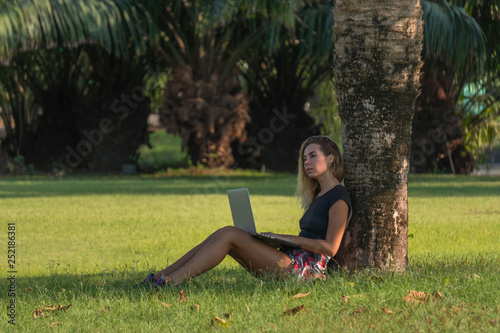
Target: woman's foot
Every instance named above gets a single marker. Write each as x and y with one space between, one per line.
163 281
149 280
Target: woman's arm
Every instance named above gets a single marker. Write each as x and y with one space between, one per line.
337 219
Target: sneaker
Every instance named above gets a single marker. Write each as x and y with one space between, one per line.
161 282
149 280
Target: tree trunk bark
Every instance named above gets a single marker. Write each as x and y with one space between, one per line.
377 71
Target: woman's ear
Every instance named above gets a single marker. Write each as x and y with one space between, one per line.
331 159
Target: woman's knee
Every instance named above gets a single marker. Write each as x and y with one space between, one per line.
230 233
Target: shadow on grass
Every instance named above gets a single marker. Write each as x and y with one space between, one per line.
267 184
64 289
283 185
452 186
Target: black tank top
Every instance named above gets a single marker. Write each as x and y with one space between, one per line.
314 222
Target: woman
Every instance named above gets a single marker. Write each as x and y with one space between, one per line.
327 213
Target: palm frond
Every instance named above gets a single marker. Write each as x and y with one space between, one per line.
487 15
453 36
31 24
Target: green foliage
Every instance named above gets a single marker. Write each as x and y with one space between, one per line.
29 25
453 37
323 107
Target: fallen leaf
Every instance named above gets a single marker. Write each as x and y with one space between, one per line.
386 310
28 289
301 295
166 305
416 297
294 311
53 308
195 307
345 299
38 314
55 323
219 321
182 297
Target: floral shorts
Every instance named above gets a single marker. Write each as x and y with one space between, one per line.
307 265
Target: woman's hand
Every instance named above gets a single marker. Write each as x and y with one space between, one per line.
272 234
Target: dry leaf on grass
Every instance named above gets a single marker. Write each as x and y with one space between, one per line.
166 305
386 310
195 307
294 311
28 289
301 295
421 297
53 308
182 297
38 313
416 297
55 323
219 321
346 299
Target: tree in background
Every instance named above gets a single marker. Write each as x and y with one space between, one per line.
58 58
377 79
480 110
280 83
454 56
205 102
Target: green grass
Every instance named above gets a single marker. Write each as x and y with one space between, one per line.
165 152
84 241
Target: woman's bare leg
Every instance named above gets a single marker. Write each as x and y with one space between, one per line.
253 254
184 259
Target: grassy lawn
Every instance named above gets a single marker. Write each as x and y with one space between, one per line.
83 242
164 152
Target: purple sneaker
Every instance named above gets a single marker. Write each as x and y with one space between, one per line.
149 280
161 282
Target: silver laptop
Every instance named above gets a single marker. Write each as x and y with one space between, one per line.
241 209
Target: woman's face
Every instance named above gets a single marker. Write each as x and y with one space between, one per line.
315 162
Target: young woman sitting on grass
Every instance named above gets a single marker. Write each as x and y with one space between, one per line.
327 212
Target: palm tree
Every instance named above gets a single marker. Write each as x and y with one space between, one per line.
58 57
280 83
377 48
454 55
204 101
481 111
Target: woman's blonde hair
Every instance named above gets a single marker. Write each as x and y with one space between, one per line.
308 188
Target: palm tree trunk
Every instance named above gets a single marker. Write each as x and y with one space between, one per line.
377 46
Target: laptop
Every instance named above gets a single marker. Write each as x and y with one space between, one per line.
241 209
